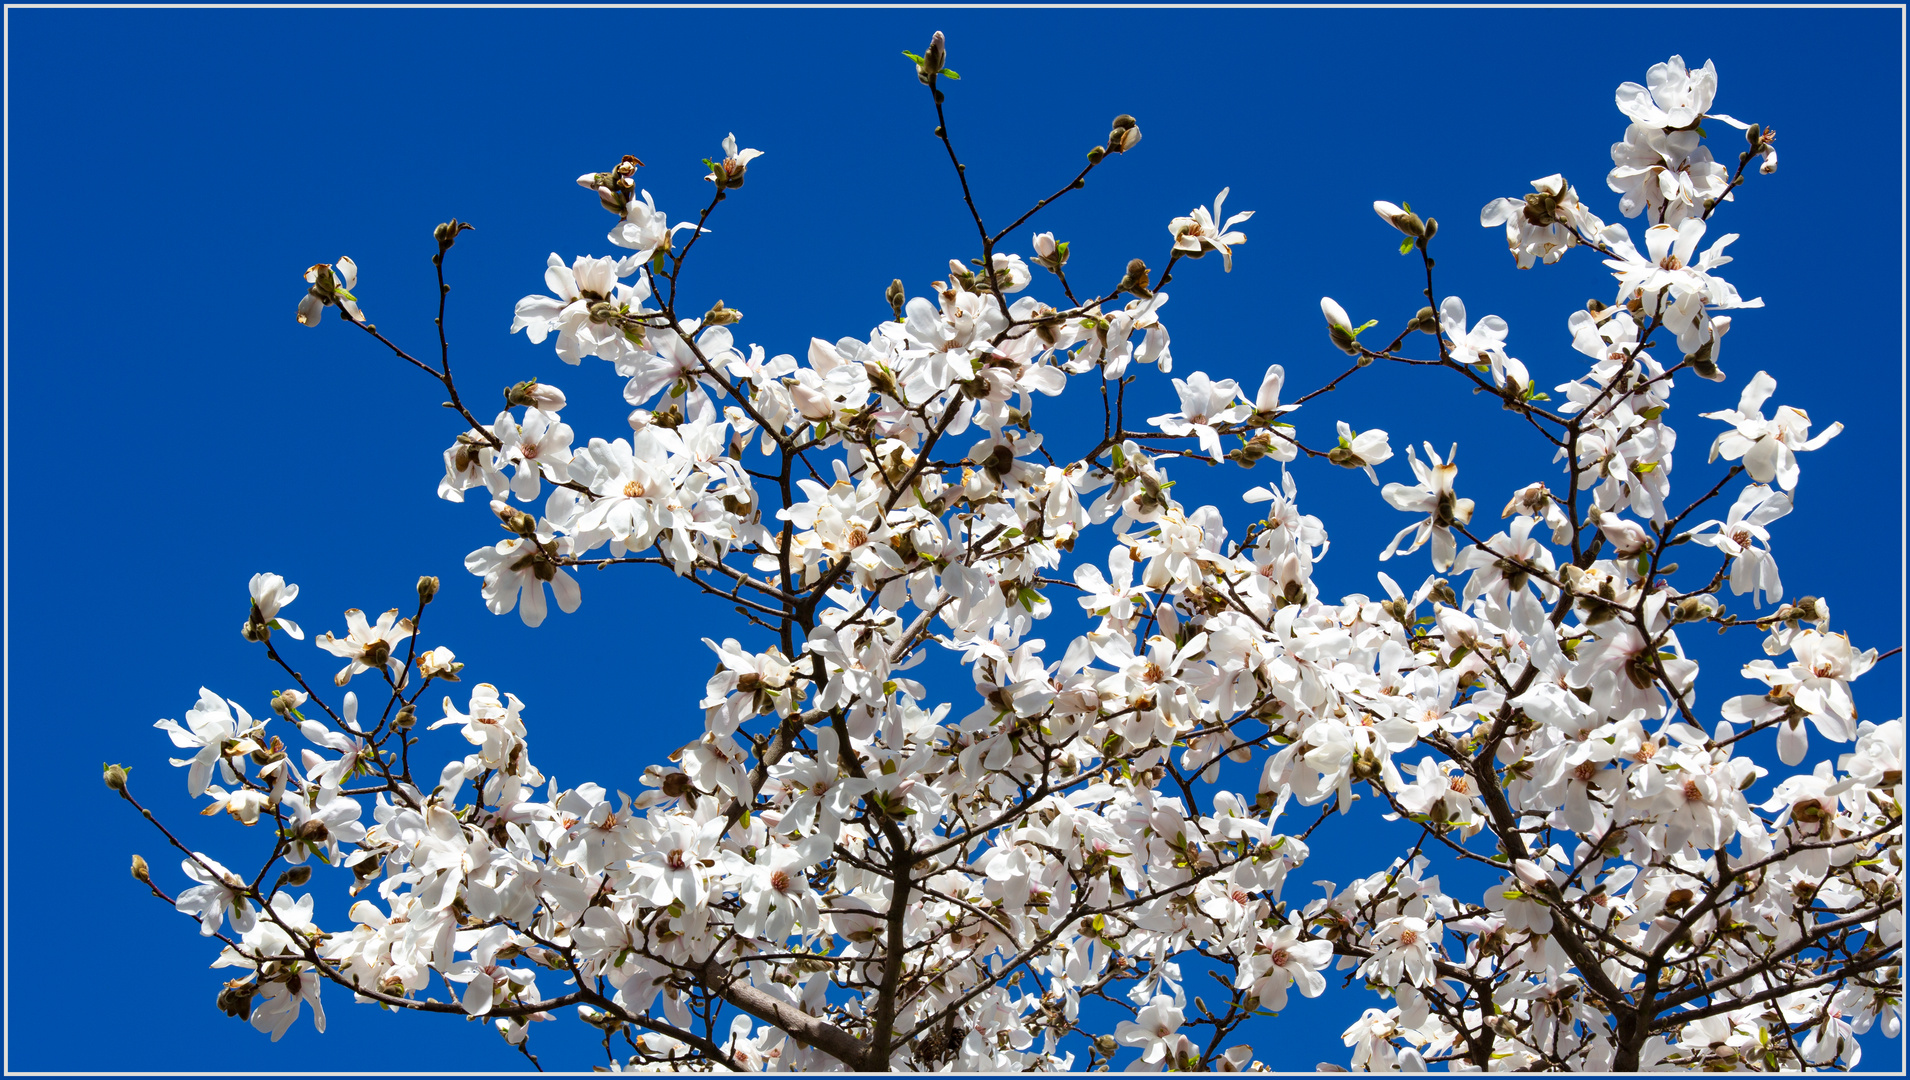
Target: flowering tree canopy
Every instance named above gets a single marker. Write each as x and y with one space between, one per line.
1087 861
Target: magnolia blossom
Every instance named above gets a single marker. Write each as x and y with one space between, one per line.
1768 447
1196 234
368 647
855 863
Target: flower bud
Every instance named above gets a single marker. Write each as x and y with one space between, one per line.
447 233
1125 135
115 777
515 520
235 998
1426 321
535 395
937 54
1400 218
406 719
296 876
897 296
1335 314
427 589
1096 153
140 870
721 316
313 831
1136 280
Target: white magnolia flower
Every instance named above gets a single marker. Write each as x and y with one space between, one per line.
1196 234
330 285
1769 447
368 647
270 593
1434 497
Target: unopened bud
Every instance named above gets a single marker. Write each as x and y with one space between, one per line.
1136 280
235 999
514 519
1400 218
1096 153
296 876
721 316
933 58
1426 321
313 831
535 395
115 777
406 719
141 872
1125 135
447 233
897 296
427 589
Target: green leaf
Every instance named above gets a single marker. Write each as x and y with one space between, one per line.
911 56
950 72
1405 245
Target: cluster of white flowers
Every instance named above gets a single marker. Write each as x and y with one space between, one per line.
863 878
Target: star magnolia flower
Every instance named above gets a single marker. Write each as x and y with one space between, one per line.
210 726
1196 234
330 286
519 568
270 593
1203 404
729 172
1769 447
586 307
1753 570
1155 1028
1362 450
1673 97
1281 959
1434 497
219 893
368 646
1483 344
1402 950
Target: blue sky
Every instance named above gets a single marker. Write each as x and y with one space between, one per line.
172 430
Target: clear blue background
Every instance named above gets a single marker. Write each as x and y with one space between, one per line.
172 430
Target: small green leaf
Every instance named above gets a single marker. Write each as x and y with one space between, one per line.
1405 245
911 56
950 72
